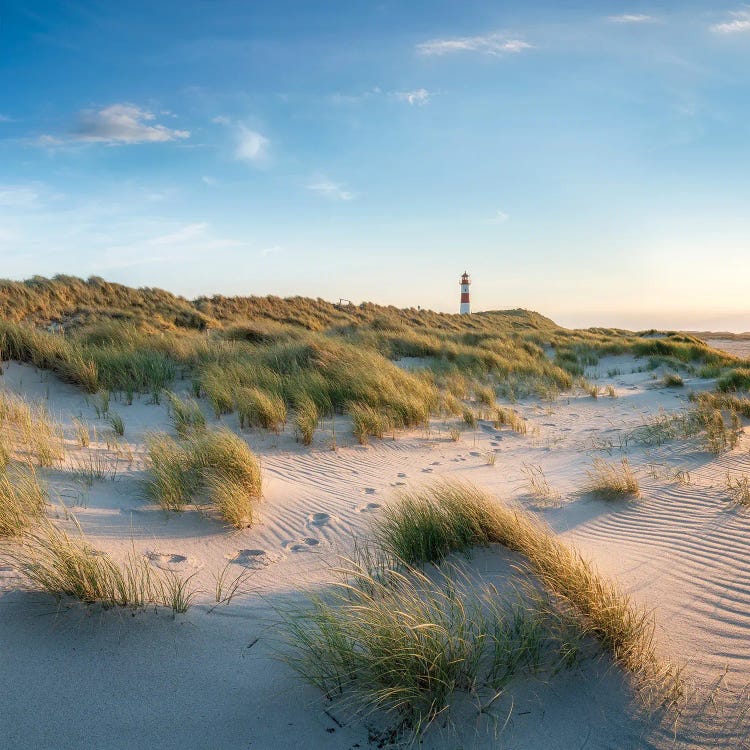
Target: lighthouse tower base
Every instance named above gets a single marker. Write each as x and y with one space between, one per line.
465 308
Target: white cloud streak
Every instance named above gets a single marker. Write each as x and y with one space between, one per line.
631 18
495 44
418 96
328 189
740 23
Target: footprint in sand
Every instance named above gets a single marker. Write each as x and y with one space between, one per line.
474 453
319 519
302 545
494 443
171 561
369 491
254 559
428 470
368 507
401 475
435 463
398 484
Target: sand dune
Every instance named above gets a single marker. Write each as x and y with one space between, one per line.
75 678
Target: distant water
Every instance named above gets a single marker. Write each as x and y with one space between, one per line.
738 347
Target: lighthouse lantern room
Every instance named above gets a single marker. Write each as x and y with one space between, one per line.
465 308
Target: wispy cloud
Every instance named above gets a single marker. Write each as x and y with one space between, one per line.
18 196
740 22
328 189
249 145
488 44
500 217
183 234
210 181
418 96
118 124
252 146
5 118
630 18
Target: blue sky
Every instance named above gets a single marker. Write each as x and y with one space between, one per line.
588 160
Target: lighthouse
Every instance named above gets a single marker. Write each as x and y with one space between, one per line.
465 305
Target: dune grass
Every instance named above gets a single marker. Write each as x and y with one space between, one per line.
737 379
427 524
673 380
67 566
406 643
257 408
215 465
22 500
28 432
738 488
306 418
186 415
389 636
612 480
368 422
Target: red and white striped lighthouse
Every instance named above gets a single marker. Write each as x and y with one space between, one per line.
465 305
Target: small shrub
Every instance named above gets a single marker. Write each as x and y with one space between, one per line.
673 380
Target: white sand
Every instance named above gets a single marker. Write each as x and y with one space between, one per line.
84 678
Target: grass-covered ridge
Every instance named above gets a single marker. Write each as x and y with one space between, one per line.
270 359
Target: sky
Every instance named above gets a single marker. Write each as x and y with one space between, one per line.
589 160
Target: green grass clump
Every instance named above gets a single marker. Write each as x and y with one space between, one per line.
405 643
22 501
66 566
673 380
392 638
216 465
425 525
172 481
306 418
117 423
257 408
612 480
368 421
187 417
737 379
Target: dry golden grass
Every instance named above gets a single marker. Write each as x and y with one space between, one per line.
612 480
425 525
22 500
